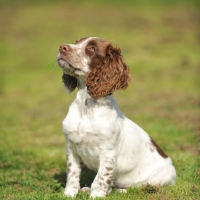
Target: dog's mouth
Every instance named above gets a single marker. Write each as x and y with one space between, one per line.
63 63
67 67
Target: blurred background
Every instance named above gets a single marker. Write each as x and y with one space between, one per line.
160 42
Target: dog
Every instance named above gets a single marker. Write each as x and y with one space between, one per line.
98 134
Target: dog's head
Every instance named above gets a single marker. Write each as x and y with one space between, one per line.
97 63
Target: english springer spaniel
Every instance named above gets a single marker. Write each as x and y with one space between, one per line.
97 133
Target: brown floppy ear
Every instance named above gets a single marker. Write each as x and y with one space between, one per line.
108 74
70 82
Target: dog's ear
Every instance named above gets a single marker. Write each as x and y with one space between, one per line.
69 82
108 74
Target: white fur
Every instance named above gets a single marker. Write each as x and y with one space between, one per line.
99 135
102 137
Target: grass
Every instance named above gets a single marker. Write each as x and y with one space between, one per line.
159 42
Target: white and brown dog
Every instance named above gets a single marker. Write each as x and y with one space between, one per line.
97 133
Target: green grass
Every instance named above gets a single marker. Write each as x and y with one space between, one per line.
161 44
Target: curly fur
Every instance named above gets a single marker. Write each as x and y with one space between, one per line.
108 73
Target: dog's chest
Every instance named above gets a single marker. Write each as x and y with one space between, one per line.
90 132
89 125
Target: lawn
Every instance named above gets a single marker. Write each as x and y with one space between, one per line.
160 42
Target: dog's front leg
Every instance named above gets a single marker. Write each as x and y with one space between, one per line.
104 178
73 173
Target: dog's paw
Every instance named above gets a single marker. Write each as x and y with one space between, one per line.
70 192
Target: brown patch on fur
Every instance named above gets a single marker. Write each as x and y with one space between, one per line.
80 40
86 102
108 73
151 149
101 178
70 82
91 48
159 150
108 181
109 168
69 170
69 164
74 173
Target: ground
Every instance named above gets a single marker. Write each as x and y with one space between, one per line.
160 43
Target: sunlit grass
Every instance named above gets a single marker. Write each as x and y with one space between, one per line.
161 46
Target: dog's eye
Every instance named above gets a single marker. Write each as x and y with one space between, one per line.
92 48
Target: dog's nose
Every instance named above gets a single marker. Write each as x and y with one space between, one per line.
64 48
